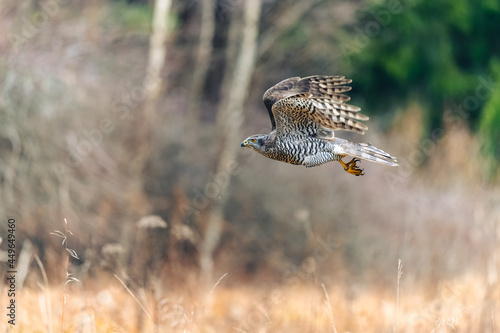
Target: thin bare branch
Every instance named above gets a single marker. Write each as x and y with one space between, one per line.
283 23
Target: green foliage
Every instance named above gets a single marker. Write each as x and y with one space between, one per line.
432 52
135 17
296 37
489 126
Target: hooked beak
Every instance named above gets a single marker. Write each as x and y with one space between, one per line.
244 143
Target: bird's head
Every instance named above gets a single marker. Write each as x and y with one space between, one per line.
256 142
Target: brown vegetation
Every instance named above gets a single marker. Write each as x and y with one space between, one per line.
83 137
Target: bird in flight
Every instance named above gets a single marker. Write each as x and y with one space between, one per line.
304 113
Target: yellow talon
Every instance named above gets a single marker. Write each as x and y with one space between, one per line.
352 167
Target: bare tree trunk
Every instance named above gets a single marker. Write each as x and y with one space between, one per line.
230 54
152 84
207 30
229 123
157 44
156 59
151 88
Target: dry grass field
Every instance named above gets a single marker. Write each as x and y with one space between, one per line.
460 305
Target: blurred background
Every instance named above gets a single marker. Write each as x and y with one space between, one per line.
120 132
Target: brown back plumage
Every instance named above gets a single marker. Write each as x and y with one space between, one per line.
313 105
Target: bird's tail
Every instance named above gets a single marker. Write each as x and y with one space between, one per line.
367 152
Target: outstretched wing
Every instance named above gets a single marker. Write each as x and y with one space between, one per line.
277 92
314 106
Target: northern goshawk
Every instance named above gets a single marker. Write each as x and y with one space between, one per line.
304 113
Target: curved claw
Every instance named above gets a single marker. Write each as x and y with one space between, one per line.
352 167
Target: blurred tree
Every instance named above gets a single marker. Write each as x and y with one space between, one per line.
229 120
154 83
436 53
207 31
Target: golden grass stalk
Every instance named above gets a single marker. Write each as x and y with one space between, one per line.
47 306
330 312
133 296
400 272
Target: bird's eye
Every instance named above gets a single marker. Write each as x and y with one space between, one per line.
252 140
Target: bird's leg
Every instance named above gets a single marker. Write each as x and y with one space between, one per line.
352 167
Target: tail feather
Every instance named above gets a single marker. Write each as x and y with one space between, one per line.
367 152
